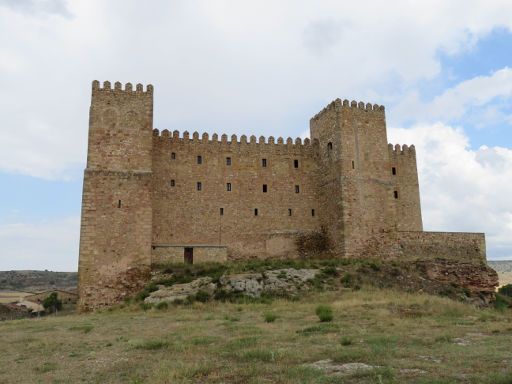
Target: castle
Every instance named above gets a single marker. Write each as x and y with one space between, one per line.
151 197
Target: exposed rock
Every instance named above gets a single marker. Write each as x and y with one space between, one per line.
412 371
280 281
332 368
181 291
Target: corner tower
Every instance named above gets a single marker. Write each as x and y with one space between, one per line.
355 184
115 235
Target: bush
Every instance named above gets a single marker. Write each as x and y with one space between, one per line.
346 341
162 305
269 317
145 306
324 313
52 303
502 302
506 290
202 296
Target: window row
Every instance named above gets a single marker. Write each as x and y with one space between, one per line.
256 212
199 186
199 160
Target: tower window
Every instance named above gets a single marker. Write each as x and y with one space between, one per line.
313 212
119 204
222 211
199 159
173 156
255 211
228 187
289 211
297 189
263 162
395 193
199 186
393 170
228 160
264 188
296 163
353 164
329 146
173 183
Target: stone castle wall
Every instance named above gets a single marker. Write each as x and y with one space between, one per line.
152 197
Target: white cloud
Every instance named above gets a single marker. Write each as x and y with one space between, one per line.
40 245
254 67
462 189
456 102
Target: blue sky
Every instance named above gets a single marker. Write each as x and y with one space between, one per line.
442 69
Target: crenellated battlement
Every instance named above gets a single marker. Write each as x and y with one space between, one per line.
252 140
339 104
118 88
401 150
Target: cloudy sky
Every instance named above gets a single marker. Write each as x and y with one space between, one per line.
442 69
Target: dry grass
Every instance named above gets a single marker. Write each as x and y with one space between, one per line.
12 296
232 343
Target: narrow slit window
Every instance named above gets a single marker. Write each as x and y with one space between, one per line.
264 188
289 211
199 159
228 187
353 164
297 189
313 212
329 146
395 193
222 211
393 170
199 186
296 163
173 183
119 204
263 162
255 211
173 156
228 160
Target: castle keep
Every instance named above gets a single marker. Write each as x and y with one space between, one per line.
151 197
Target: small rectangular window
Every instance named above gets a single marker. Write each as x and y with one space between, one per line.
313 212
255 211
395 193
119 204
173 156
289 211
297 189
228 187
199 186
173 183
264 188
228 160
263 162
296 163
222 211
393 170
353 164
199 159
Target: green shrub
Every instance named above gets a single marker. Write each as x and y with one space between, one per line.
346 341
270 317
202 296
162 305
151 345
502 302
324 313
506 290
330 270
347 280
52 303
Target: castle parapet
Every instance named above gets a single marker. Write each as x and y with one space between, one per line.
338 105
118 88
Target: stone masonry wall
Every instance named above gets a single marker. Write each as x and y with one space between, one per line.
452 246
183 215
174 254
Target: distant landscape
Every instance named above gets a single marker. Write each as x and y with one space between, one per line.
37 281
504 269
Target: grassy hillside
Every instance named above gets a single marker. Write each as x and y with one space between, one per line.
36 280
408 338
